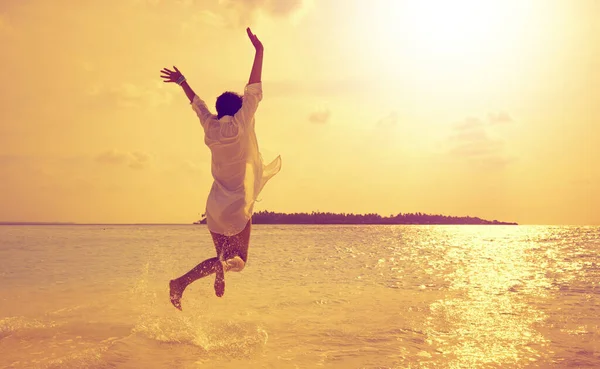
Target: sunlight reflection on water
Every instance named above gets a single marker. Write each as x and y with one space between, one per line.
327 296
497 278
488 322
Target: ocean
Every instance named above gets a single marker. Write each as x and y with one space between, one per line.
311 296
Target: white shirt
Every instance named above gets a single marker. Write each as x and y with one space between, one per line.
237 165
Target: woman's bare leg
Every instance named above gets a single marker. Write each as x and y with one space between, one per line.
220 281
233 251
229 247
207 267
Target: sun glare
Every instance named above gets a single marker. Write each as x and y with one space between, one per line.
443 34
446 28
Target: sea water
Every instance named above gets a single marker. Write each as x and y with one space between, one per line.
310 297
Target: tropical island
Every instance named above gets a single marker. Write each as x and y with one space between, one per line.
315 217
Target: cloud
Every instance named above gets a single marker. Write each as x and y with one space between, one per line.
112 156
384 133
128 95
19 173
320 117
146 2
228 13
211 18
192 167
468 124
323 88
134 160
499 117
138 160
473 141
389 121
245 10
282 7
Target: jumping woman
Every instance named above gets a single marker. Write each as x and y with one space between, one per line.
238 172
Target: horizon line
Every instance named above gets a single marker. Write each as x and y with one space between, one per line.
10 223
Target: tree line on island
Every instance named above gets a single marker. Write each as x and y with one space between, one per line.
316 217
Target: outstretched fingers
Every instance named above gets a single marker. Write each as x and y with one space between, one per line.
255 41
252 36
167 78
168 75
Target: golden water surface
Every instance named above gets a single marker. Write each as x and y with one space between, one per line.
310 297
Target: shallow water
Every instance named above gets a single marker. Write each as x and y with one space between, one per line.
310 296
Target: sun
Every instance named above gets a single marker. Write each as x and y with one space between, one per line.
446 28
446 33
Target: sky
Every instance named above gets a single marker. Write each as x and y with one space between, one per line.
464 107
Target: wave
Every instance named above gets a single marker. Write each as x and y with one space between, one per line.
47 344
15 324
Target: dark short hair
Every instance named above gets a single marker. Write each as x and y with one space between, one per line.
228 104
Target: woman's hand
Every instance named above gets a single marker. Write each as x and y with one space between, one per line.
176 77
256 72
258 46
170 76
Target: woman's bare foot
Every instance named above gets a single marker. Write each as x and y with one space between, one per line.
220 281
176 292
